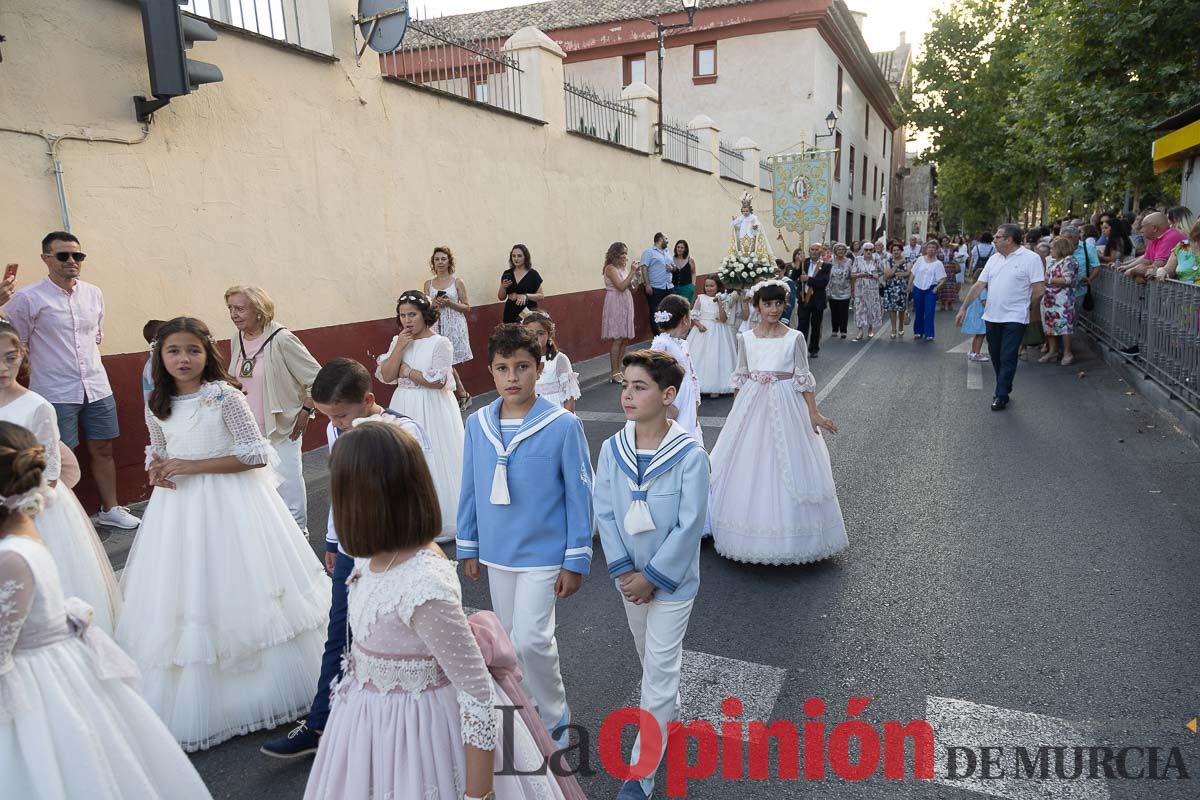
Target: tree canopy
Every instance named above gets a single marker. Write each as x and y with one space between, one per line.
1048 101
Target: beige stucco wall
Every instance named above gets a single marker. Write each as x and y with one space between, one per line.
317 180
775 88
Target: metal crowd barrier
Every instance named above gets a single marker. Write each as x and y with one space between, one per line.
1159 321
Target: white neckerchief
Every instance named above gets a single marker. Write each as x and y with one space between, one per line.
542 414
674 446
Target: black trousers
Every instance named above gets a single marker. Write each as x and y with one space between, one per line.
839 315
653 300
1004 347
809 317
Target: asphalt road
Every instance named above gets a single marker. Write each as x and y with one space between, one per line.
1023 577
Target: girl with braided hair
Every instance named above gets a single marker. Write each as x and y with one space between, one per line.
71 722
64 526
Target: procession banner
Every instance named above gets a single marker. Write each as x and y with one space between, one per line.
803 191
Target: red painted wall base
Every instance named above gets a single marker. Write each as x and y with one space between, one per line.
576 316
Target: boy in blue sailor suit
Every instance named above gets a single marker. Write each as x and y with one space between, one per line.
651 499
526 513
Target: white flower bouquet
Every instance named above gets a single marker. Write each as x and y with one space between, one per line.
740 272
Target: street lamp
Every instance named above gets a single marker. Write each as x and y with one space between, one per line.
830 124
690 7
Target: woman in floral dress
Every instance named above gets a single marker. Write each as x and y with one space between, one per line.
866 272
949 291
896 275
1058 303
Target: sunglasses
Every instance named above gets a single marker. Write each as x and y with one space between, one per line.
65 257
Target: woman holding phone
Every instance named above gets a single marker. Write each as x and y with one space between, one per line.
520 284
449 297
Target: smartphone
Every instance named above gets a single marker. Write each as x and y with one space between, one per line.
10 272
441 293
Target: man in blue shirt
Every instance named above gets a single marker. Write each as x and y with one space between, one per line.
659 267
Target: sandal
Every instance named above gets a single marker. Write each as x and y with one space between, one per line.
617 377
859 339
464 402
892 336
1068 360
1048 357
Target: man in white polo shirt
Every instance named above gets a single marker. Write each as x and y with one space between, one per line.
1013 277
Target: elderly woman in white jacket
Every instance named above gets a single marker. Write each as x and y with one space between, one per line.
276 371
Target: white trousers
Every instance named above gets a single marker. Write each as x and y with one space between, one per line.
524 602
658 628
292 490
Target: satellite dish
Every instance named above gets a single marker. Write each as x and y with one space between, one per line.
382 24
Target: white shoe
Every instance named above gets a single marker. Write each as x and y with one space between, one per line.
117 517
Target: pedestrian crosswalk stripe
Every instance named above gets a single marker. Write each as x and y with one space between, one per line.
961 723
706 680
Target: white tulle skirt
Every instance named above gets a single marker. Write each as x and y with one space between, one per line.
409 745
772 497
438 414
74 735
714 357
226 608
83 565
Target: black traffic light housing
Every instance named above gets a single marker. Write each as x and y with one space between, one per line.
169 35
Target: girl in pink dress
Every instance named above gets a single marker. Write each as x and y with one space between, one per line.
616 321
414 715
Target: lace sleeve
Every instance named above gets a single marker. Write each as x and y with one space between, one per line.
803 380
441 362
443 627
44 426
743 370
249 445
379 361
16 598
568 379
158 440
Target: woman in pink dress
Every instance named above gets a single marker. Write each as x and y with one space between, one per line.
616 323
414 716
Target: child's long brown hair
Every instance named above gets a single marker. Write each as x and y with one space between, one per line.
164 383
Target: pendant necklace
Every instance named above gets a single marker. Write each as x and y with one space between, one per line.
246 369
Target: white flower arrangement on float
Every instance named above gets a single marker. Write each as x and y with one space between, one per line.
739 272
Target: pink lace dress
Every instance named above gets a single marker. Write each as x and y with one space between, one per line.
415 690
72 723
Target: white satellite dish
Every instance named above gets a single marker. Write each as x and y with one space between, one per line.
382 24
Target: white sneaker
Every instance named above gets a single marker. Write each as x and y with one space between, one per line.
118 517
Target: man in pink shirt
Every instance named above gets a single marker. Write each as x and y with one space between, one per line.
1161 239
61 320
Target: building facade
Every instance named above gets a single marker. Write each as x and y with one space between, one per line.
770 70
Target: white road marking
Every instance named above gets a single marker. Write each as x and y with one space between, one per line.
706 680
964 347
618 416
824 391
974 375
961 723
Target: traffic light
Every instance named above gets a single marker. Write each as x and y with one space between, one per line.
169 35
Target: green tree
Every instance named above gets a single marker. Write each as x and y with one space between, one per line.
1045 103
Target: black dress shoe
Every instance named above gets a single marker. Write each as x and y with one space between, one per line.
812 355
999 404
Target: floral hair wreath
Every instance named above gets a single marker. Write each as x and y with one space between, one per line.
661 317
28 503
758 287
417 299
